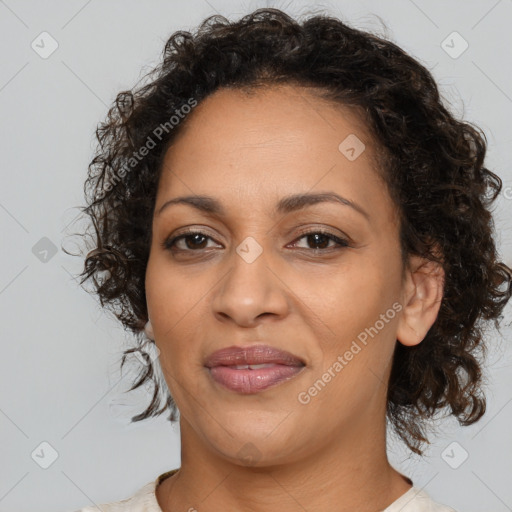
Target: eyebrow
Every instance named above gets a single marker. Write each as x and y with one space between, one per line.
287 204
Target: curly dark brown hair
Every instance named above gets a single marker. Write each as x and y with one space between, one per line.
432 163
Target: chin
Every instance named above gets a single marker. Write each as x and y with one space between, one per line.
269 445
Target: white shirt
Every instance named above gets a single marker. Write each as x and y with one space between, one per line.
144 500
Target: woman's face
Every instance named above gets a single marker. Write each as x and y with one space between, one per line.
258 275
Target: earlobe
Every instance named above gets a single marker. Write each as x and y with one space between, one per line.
423 293
148 329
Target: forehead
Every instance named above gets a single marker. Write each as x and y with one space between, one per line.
279 113
271 142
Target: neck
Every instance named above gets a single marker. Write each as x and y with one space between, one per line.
351 472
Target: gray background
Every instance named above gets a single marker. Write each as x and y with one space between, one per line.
60 379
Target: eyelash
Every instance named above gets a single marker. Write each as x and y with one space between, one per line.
342 243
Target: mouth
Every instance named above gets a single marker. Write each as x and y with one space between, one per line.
252 369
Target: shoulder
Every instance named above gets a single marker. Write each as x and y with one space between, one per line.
417 500
144 500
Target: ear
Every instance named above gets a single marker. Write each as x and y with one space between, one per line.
422 296
148 329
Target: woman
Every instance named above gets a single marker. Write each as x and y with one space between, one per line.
291 215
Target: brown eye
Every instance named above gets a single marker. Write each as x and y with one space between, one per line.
319 240
191 241
196 240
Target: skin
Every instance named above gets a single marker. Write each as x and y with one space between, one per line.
301 295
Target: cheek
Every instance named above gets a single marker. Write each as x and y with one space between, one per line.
360 308
174 305
173 297
354 297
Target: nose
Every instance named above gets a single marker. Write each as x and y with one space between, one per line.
250 292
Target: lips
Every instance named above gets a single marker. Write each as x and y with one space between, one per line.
255 355
252 369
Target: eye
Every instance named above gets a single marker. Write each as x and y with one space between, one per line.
190 241
322 239
197 240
